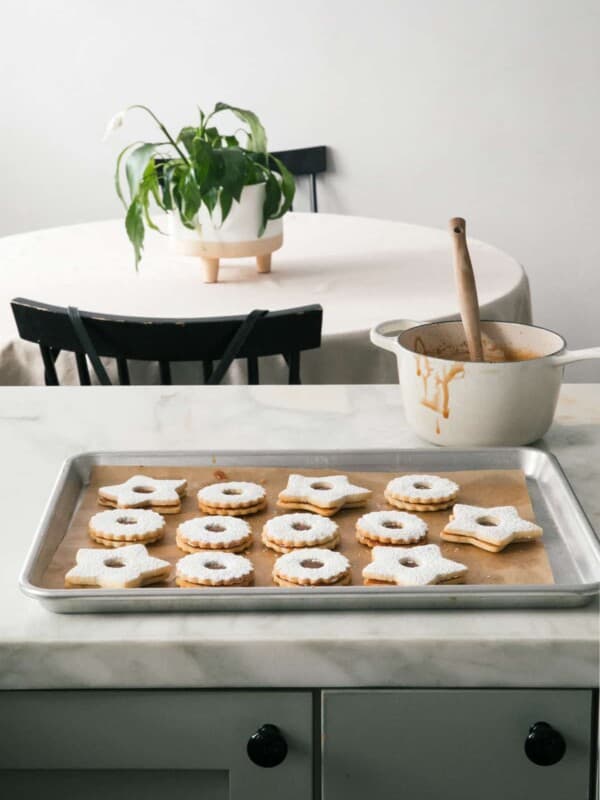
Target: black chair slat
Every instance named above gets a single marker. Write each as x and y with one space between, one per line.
253 378
202 340
293 362
207 370
82 369
48 357
165 372
123 372
304 160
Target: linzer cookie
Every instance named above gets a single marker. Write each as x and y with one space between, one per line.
214 569
230 534
390 528
232 498
311 566
119 568
412 566
120 526
140 491
290 531
491 529
421 493
325 496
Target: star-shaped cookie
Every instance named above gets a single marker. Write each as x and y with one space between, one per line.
117 568
323 495
412 566
489 528
140 491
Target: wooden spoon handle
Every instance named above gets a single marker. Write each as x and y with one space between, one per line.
467 289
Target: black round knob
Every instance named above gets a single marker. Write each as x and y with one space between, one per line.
267 747
544 745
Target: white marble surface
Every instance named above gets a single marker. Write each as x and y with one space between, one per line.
40 427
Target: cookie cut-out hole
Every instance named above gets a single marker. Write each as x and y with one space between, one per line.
215 528
126 521
321 486
115 563
311 563
232 491
390 523
408 562
422 485
488 521
301 526
214 565
143 489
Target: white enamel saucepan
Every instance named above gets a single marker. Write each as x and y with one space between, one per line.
449 400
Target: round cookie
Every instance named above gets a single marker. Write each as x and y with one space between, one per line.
311 566
390 528
119 526
214 568
290 531
230 534
421 492
232 498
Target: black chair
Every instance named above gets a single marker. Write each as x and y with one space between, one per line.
208 340
309 161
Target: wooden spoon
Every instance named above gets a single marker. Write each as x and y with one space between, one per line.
467 289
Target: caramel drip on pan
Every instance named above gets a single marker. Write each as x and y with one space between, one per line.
436 395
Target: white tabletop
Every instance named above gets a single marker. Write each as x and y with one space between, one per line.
362 271
38 649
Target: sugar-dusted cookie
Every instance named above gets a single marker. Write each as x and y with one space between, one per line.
311 566
232 498
289 531
489 528
119 526
323 496
230 534
390 528
412 566
421 492
118 568
140 491
214 568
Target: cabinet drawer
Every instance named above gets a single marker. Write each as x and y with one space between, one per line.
422 744
147 742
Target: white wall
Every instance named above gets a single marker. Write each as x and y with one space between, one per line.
485 108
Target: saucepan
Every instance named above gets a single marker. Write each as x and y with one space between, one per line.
508 399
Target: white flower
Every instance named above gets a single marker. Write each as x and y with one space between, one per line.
114 123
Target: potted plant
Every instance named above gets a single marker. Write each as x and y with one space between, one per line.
224 199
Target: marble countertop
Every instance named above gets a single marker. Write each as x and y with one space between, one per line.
40 427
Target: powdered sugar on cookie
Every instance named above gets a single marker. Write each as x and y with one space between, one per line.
129 524
301 529
214 530
232 494
311 565
395 527
118 568
497 526
412 566
422 489
141 491
214 568
330 491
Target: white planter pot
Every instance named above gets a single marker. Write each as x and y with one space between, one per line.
237 237
464 403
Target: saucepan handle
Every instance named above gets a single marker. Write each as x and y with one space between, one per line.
385 334
570 356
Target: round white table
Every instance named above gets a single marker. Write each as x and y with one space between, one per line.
362 271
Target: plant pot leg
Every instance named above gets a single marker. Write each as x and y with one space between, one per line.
263 263
211 270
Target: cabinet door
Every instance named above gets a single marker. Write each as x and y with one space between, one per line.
151 744
425 745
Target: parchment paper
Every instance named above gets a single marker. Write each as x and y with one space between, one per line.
525 563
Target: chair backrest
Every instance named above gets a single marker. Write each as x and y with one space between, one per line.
287 332
309 161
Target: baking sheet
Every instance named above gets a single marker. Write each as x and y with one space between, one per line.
521 563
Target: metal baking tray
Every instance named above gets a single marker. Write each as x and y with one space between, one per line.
572 546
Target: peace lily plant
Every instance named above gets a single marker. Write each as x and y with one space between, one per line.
200 170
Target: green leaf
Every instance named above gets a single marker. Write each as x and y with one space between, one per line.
231 141
118 172
164 174
202 157
134 225
233 176
272 201
225 202
136 164
210 198
186 137
190 195
257 138
288 187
